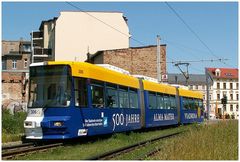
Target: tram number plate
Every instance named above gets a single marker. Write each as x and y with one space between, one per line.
35 112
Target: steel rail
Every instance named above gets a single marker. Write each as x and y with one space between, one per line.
151 153
116 152
16 146
10 154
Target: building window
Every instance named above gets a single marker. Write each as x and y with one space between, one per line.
196 87
26 48
218 97
231 107
25 63
217 72
231 85
237 85
14 64
218 85
4 66
231 96
203 87
224 86
237 107
210 97
191 87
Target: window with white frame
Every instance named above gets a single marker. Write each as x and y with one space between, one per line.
231 107
14 64
231 96
25 63
224 86
218 96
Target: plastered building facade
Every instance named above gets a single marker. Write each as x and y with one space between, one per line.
73 35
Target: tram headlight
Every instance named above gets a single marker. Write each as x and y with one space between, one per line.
29 124
58 124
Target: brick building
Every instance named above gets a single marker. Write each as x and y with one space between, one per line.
16 55
15 69
136 60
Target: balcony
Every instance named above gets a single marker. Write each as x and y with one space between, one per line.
42 52
37 35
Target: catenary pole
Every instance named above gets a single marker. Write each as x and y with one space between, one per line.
158 59
32 48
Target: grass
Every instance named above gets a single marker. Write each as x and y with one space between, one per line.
207 142
83 151
201 142
12 126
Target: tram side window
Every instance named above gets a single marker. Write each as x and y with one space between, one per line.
185 103
112 97
133 98
80 91
152 101
97 94
160 101
192 104
173 104
200 104
123 98
167 102
195 104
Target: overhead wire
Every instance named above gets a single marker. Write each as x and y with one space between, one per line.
104 23
193 32
134 39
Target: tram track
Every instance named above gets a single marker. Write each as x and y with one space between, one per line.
23 149
114 153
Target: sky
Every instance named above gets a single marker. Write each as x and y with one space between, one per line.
192 31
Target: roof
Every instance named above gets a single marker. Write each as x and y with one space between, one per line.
225 73
55 18
157 87
95 11
87 70
92 56
189 93
13 53
194 79
45 21
168 89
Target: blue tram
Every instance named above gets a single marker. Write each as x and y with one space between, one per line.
72 99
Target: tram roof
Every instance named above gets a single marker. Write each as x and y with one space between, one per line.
189 93
156 87
168 89
87 70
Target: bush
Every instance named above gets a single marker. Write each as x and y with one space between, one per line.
227 116
13 124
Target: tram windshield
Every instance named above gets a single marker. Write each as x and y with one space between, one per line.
50 86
